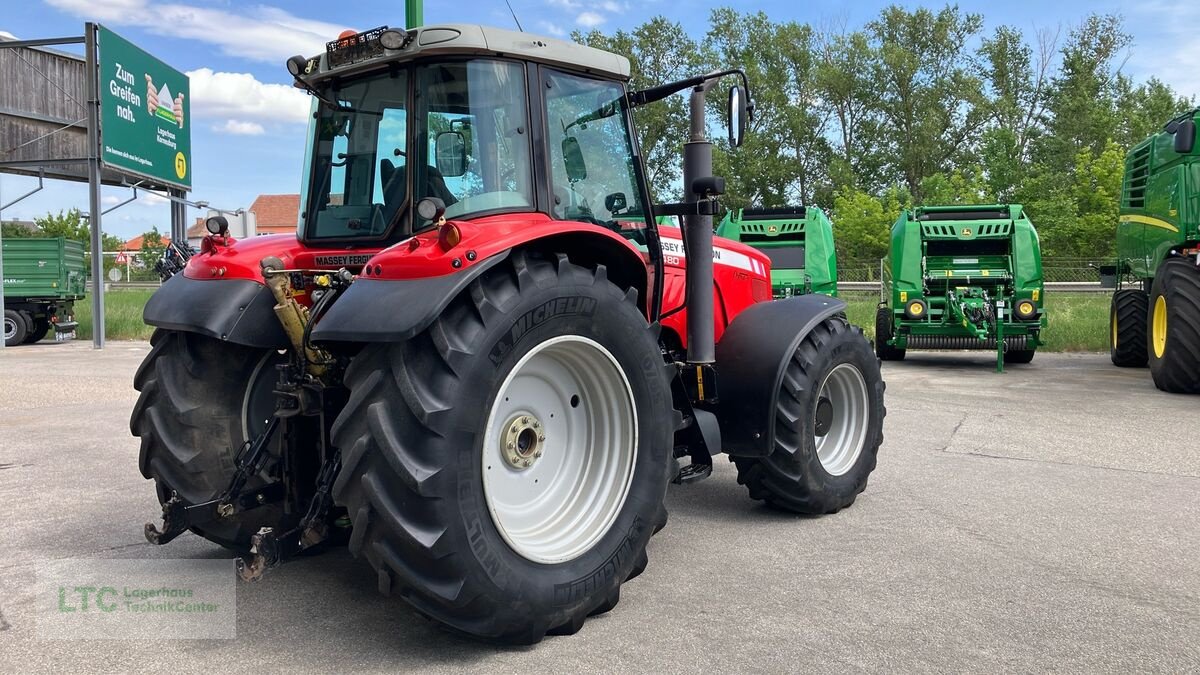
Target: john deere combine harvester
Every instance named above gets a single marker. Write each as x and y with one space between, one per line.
962 277
799 242
1155 315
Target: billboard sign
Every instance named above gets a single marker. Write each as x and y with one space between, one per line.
144 122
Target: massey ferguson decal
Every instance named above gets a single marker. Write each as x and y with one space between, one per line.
673 254
346 260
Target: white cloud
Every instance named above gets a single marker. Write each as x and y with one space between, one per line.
613 7
240 128
241 96
148 198
551 28
257 32
110 200
565 4
589 19
1167 50
7 35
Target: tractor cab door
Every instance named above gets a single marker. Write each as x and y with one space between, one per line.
591 149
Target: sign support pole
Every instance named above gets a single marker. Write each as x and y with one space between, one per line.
178 217
93 115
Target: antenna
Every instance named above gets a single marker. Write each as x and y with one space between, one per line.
514 16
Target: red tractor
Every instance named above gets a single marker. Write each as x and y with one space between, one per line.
480 360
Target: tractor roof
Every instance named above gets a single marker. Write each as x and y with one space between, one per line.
363 52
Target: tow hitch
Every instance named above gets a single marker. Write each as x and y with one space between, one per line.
178 517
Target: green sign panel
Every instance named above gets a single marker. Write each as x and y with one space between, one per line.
145 128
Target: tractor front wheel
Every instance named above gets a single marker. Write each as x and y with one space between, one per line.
201 399
1127 328
828 425
505 469
1173 327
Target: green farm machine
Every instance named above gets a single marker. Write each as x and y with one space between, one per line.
962 277
1155 315
799 242
43 277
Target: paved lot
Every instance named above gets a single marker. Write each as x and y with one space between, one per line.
1044 519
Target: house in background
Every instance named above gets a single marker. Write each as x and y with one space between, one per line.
269 214
135 245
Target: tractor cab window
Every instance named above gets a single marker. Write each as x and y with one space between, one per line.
591 154
469 138
475 139
356 181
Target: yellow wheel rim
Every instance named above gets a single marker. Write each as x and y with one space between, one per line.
1159 326
916 309
1114 330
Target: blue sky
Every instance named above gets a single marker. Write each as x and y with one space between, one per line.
248 123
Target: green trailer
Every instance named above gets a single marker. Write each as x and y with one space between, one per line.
962 277
1155 315
43 277
799 242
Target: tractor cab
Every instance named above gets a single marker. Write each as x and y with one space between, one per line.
487 122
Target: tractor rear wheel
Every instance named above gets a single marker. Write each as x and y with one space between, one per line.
884 332
828 425
201 399
14 328
505 469
1127 328
1173 327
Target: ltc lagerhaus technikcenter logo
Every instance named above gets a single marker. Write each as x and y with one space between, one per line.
136 599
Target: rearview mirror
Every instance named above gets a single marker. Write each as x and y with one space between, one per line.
615 203
1185 136
737 116
450 149
573 159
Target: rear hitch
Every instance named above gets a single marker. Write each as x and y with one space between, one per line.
175 522
178 517
269 550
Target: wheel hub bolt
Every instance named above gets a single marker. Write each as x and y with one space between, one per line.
521 444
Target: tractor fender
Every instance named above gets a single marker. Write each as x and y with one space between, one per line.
390 310
751 359
236 310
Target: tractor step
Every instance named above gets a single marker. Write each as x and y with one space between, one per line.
692 473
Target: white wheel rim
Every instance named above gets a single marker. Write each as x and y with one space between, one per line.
558 505
847 418
10 328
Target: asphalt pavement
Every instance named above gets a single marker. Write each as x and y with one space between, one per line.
1043 519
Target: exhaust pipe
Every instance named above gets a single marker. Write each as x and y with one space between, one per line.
698 237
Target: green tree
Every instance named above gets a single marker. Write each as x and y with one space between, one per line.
930 94
153 246
785 153
862 223
659 51
1018 82
965 185
843 83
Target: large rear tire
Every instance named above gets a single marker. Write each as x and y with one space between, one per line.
505 469
1127 328
884 331
828 425
1173 327
201 399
